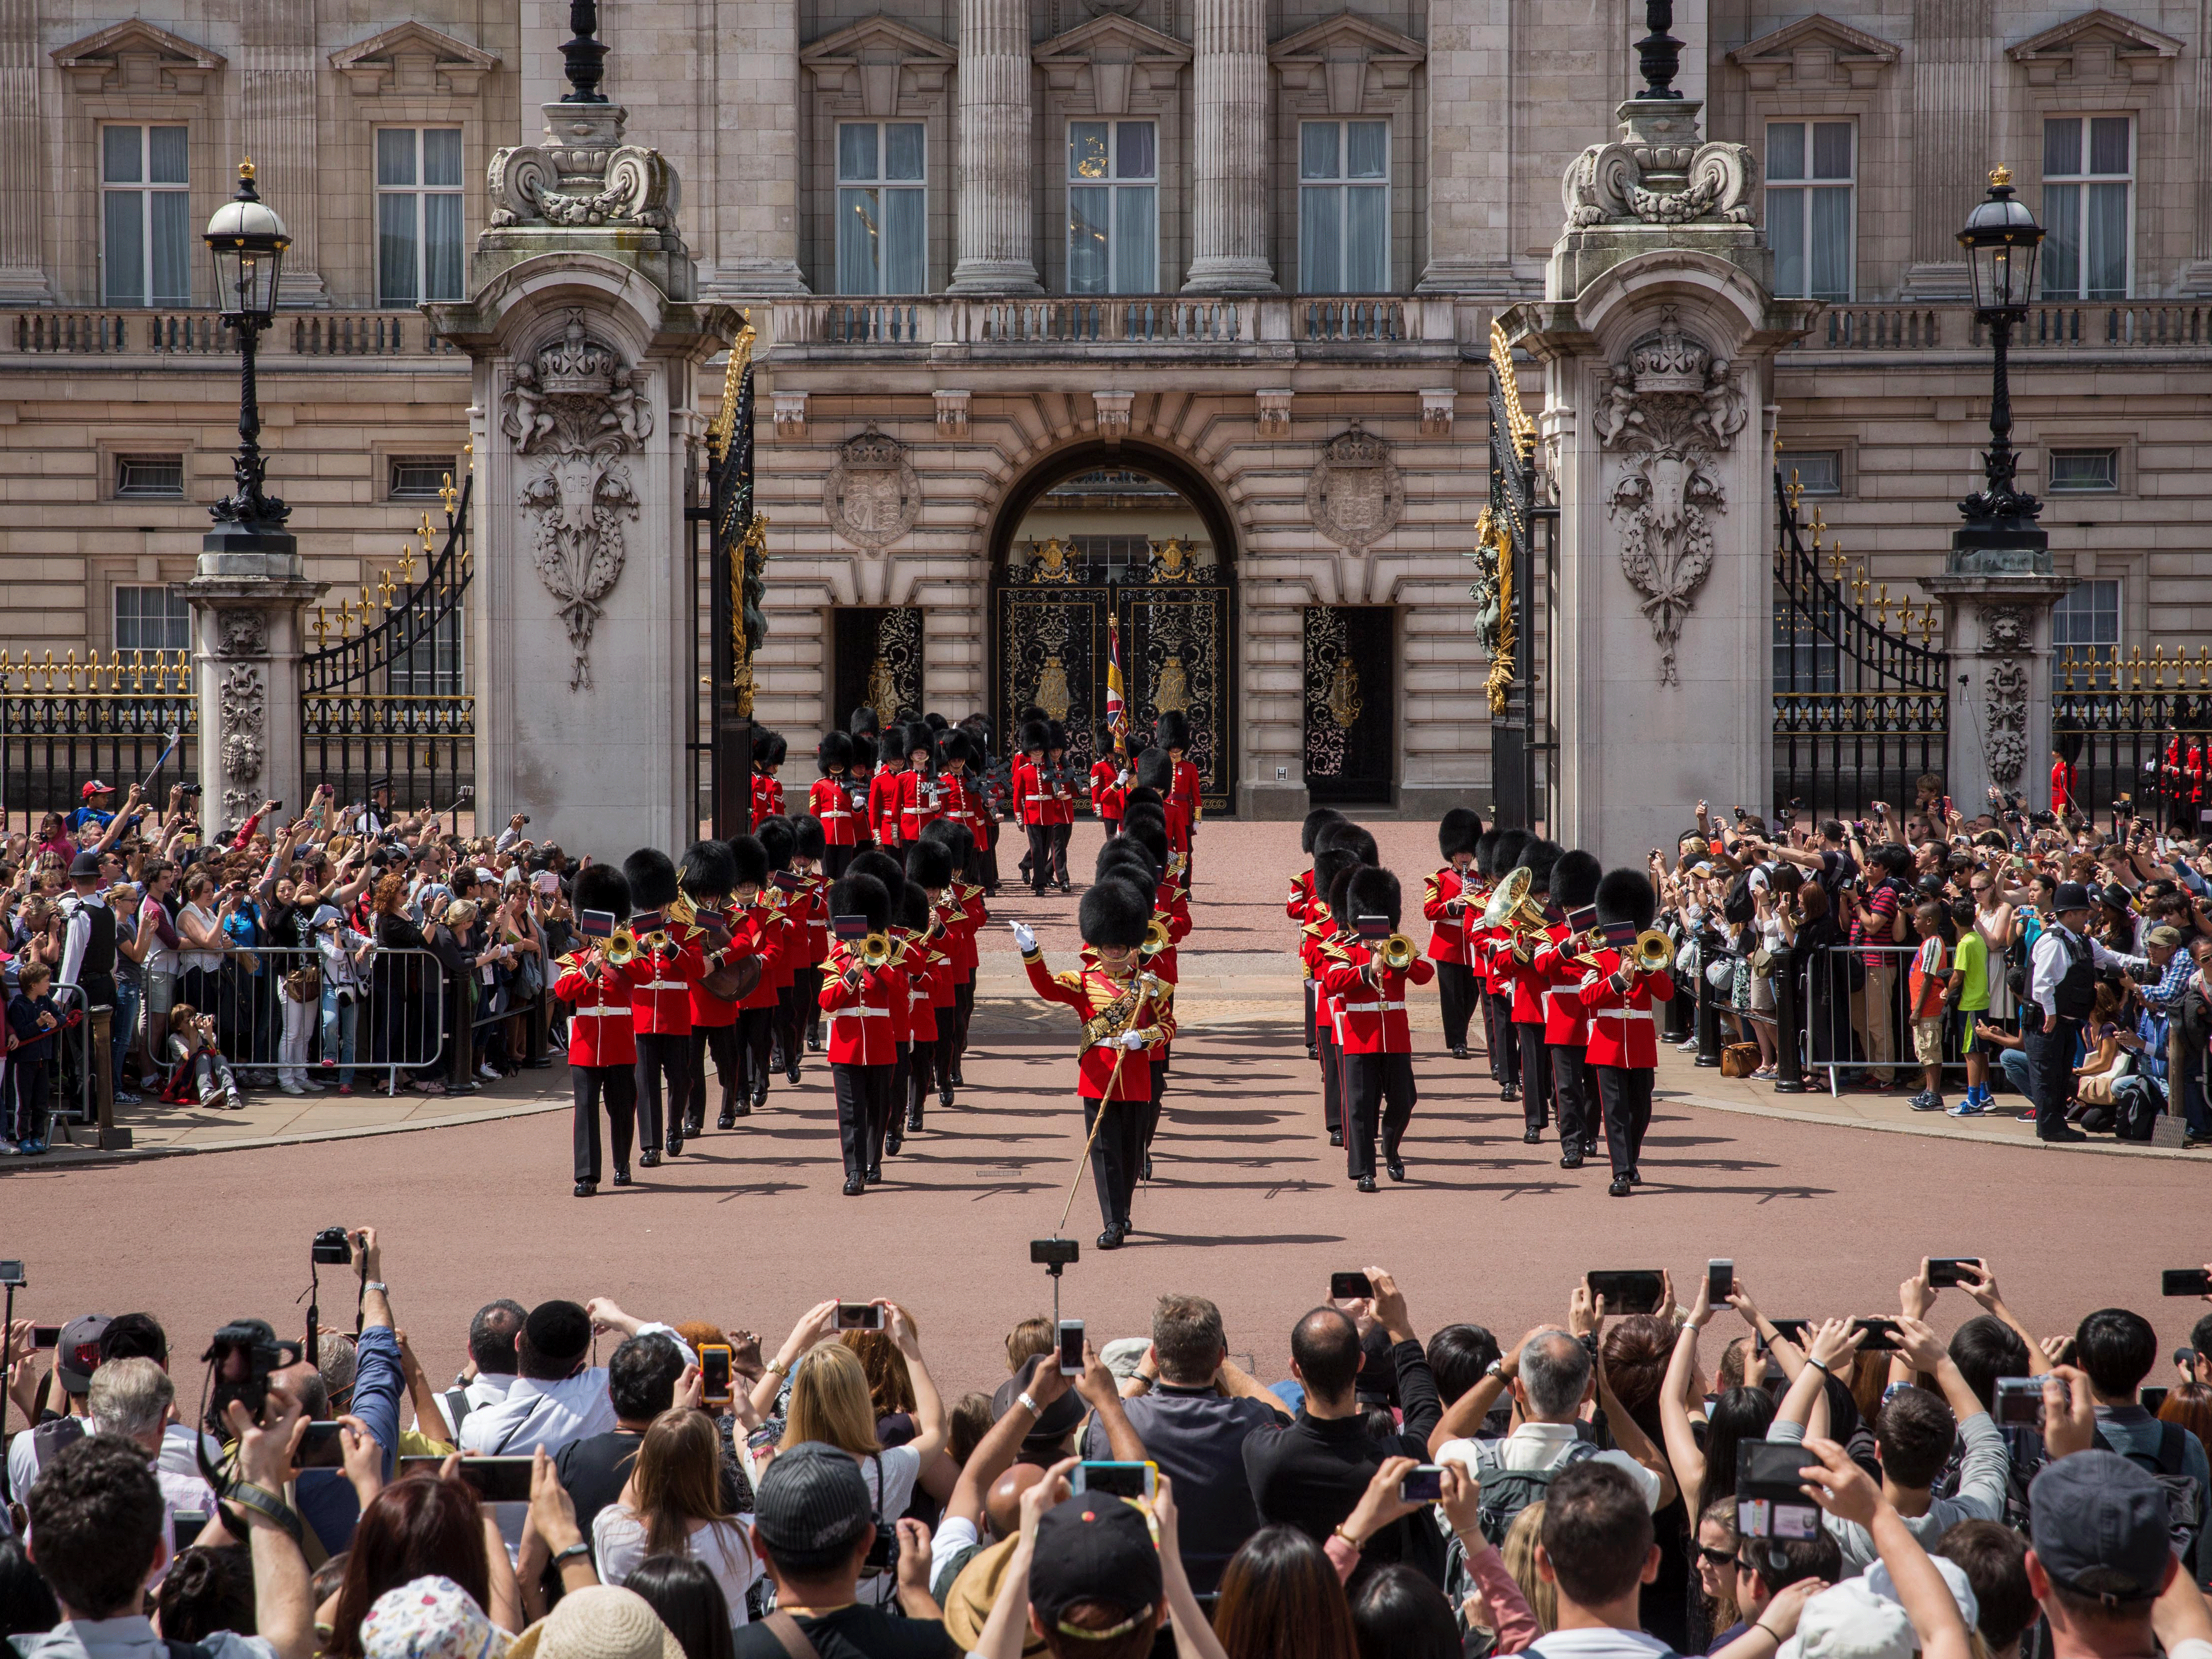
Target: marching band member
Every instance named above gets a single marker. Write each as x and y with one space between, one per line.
1338 848
1377 1040
1126 1013
1299 907
929 868
1444 903
780 843
1556 965
669 962
886 788
708 873
810 915
1058 804
964 899
753 909
1624 1045
860 782
1109 776
602 1053
1030 804
1487 953
830 803
1156 773
1537 858
859 998
769 750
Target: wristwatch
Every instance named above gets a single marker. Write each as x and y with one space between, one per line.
581 1548
1497 1368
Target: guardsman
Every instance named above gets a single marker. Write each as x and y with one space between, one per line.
780 843
1488 954
964 918
1339 849
1171 914
861 787
769 750
1444 903
1537 858
1369 991
1171 731
1109 776
706 877
886 786
1624 1044
1156 772
1557 965
754 913
1058 803
830 802
602 1053
669 961
861 996
1029 806
814 913
921 793
933 979
1299 907
1126 1012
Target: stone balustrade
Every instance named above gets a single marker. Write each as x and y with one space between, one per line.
181 334
1140 323
2104 326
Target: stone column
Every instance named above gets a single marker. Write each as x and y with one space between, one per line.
586 336
995 145
1999 637
1657 337
245 672
22 259
278 69
1229 170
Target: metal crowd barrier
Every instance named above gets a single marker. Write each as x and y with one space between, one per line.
1836 1023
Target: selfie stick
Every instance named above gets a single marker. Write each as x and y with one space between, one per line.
176 737
1105 1100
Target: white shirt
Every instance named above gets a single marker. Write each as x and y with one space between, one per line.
723 1546
76 937
2048 962
485 1389
204 961
160 958
893 1472
551 1413
1606 1644
1538 1446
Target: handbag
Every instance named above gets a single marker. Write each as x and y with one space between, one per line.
1739 1059
305 983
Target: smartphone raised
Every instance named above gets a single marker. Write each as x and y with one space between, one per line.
714 1373
1348 1287
2017 1402
1628 1290
321 1448
185 1529
1945 1271
45 1336
496 1479
1771 1501
1789 1330
2185 1281
1424 1484
1071 1348
1720 1282
1881 1334
2153 1400
1134 1481
859 1316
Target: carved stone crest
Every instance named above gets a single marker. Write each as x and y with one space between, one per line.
1354 493
583 174
2004 723
2007 626
1669 411
577 408
1659 173
872 495
242 706
241 634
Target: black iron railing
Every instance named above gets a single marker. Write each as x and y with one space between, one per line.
2134 732
131 719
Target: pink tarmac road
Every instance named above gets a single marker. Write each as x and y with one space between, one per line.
1250 1206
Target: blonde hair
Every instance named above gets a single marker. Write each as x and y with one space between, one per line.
890 1386
1519 1550
829 1402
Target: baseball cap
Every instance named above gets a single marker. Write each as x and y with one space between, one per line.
2071 895
96 788
1061 1419
1094 1547
76 1356
2098 1525
811 1499
2163 934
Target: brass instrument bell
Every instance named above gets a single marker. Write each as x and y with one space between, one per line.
1155 938
1399 951
875 951
620 948
1652 953
1511 908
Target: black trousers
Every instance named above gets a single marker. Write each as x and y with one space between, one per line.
927 1058
864 1095
1332 1080
1571 1090
1037 863
1504 1047
807 1009
2050 1070
1160 1058
1455 991
722 1041
1626 1093
835 859
785 1021
964 1010
1535 1075
1116 1154
615 1086
1378 1090
753 1032
1313 994
661 1054
1057 835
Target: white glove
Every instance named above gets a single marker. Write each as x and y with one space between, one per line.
1133 1040
1024 937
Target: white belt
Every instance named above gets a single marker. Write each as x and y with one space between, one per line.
857 1013
835 812
1643 1014
1373 1008
599 1013
1109 1042
664 985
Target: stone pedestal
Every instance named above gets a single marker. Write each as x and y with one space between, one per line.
1658 337
1998 633
586 341
246 602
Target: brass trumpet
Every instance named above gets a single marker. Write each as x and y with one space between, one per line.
1652 953
1399 951
620 949
875 951
1155 938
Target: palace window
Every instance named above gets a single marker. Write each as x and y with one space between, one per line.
1815 472
433 666
152 619
146 229
882 228
2084 471
2087 623
1810 177
2088 185
418 215
149 477
1113 207
418 477
1344 207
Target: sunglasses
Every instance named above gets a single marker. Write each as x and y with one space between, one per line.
1713 1558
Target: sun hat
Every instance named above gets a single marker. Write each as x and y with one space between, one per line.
601 1621
429 1618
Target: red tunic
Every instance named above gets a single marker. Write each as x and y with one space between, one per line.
921 800
766 926
922 967
1107 1071
767 797
1528 983
661 981
830 801
707 1009
1448 938
2062 787
1560 976
964 805
1026 784
884 806
1370 1007
1621 1029
863 1017
1059 790
1184 789
599 1030
1106 789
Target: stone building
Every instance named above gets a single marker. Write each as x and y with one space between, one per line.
1180 309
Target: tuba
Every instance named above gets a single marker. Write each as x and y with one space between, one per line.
1510 907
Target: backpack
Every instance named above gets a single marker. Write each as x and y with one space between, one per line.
2135 1105
2184 1517
1738 907
1508 1491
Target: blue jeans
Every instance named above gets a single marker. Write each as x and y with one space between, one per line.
124 1033
2013 1062
338 1022
2196 1118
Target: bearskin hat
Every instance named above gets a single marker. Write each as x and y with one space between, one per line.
1055 735
1114 914
1538 858
918 739
806 830
878 863
768 748
1140 796
1330 862
708 871
603 887
652 876
1031 740
957 839
1316 821
1353 839
775 836
935 721
1339 890
1027 713
1457 833
1624 899
1156 771
1511 843
1172 731
929 863
1373 893
862 895
1120 852
910 909
1575 878
955 745
1152 837
835 750
864 721
1485 853
749 865
865 753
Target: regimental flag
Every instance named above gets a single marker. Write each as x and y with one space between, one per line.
1117 713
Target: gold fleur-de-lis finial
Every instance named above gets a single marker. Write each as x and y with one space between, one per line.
448 495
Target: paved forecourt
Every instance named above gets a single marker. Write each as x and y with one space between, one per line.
1250 1206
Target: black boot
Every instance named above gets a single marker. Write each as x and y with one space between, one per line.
1532 1137
893 1139
1394 1164
1148 1166
1620 1188
1366 1183
914 1121
728 1120
650 1157
944 1095
958 1081
675 1140
855 1186
587 1188
1336 1137
622 1175
791 1072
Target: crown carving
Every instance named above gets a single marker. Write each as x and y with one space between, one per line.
874 450
576 364
1670 361
1358 447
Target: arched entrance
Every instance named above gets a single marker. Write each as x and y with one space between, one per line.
1123 539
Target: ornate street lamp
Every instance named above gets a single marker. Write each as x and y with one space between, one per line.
247 241
2002 240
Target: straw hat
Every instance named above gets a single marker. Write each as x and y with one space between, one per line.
600 1622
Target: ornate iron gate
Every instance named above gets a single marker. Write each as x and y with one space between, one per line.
389 697
1504 591
878 661
1861 706
1052 623
1350 723
2135 748
735 545
133 718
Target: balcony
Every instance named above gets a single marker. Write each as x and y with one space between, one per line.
180 338
2129 330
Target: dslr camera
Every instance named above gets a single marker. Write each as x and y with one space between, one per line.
332 1247
242 1354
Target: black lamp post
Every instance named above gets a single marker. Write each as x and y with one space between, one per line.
2001 241
247 240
